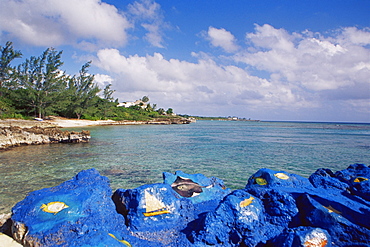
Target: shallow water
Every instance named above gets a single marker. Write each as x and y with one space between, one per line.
131 156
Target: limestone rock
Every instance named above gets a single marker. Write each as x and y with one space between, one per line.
15 136
275 208
78 212
155 212
6 241
205 193
288 210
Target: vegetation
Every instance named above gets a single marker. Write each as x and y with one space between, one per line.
38 87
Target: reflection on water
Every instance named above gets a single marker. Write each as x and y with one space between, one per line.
131 156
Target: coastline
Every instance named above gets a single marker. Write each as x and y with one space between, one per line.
283 207
16 132
71 123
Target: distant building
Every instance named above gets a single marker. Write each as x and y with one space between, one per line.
129 104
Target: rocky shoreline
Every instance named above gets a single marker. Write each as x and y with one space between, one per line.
16 136
14 132
276 208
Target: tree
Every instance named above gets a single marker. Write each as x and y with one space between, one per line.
42 78
83 90
107 93
108 99
169 111
145 99
8 54
161 111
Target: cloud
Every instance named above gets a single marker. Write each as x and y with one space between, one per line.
203 84
268 37
149 14
85 23
313 63
355 36
222 38
304 71
102 80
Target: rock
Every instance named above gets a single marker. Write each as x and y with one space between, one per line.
275 208
6 241
15 136
205 193
4 218
235 220
78 212
5 223
303 236
282 209
155 212
170 121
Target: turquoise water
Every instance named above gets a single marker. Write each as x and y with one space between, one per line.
131 156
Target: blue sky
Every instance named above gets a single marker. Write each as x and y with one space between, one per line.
268 60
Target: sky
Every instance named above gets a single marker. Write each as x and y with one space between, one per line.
280 60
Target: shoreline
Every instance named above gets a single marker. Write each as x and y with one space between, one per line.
17 132
75 123
283 207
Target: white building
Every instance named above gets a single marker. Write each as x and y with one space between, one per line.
128 104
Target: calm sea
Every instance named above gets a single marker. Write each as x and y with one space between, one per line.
131 156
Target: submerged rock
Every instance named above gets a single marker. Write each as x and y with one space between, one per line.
276 208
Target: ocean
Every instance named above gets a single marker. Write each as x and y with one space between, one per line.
134 155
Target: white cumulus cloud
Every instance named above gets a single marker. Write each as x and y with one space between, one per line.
302 71
87 23
103 80
222 38
313 63
149 14
205 84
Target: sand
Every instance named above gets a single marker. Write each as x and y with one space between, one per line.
54 122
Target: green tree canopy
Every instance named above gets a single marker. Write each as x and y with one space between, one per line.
8 54
39 87
82 90
145 99
42 78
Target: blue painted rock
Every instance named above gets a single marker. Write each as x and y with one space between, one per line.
78 212
155 212
324 201
275 208
205 193
302 236
239 219
353 181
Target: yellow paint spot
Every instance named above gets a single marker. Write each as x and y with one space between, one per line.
332 210
315 239
122 241
281 175
261 181
316 243
156 213
246 202
54 207
360 179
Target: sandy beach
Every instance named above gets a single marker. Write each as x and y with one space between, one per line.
59 122
70 123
